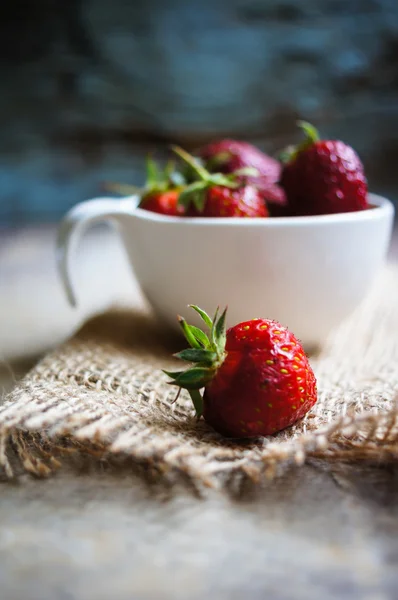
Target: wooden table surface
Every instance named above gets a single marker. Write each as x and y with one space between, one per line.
99 534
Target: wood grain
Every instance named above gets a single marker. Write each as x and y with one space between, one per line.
96 532
104 535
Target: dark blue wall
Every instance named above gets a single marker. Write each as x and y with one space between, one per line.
89 86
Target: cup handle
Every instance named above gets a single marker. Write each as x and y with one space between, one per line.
73 226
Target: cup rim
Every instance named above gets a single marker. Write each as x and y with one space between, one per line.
380 207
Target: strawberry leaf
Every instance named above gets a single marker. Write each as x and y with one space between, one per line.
220 332
195 378
208 355
173 374
223 180
287 154
190 160
213 328
189 335
152 172
205 317
196 355
169 169
199 199
171 176
195 193
200 336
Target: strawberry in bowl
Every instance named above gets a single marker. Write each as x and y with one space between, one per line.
323 177
214 238
251 165
161 191
217 195
229 156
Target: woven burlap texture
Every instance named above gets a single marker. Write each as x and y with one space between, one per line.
104 393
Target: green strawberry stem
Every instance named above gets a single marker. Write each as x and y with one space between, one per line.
202 173
157 180
220 159
195 192
206 352
311 136
310 131
197 401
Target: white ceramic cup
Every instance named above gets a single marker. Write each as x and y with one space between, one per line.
308 273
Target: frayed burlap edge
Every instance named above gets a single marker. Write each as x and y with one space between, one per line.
366 438
103 395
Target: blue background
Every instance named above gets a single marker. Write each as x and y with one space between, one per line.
90 86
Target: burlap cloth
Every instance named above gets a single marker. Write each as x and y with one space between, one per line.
103 393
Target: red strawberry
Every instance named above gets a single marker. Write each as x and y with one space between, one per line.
161 191
228 156
218 195
256 377
323 177
220 201
165 203
231 156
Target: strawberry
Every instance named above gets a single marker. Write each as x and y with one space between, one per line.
231 156
221 201
218 195
161 191
256 377
165 203
228 156
323 177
